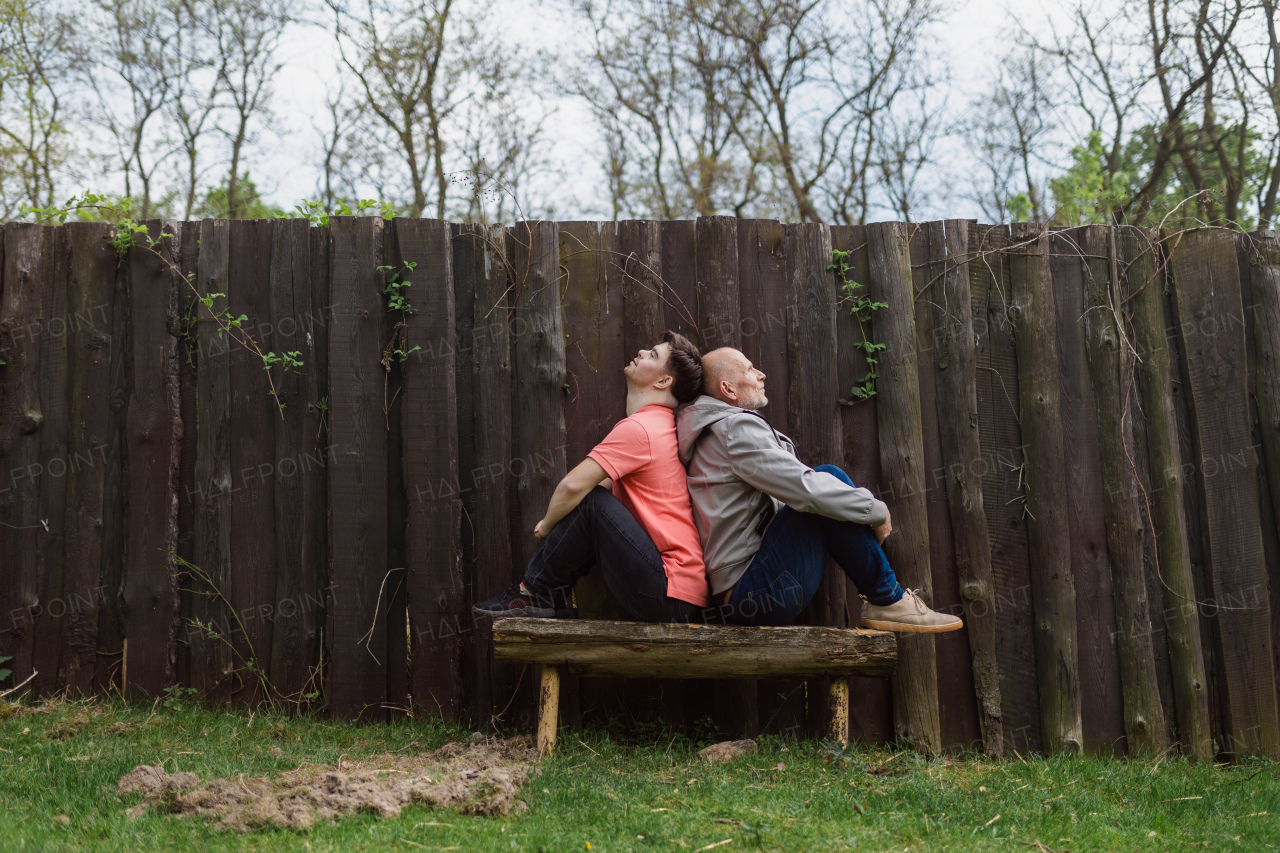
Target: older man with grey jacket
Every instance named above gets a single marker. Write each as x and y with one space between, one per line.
767 521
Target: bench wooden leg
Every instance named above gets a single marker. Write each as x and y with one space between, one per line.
549 709
838 705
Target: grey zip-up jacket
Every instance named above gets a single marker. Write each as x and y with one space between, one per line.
741 472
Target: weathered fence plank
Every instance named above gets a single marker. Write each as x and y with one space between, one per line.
1111 363
870 699
637 268
537 387
110 656
50 338
211 657
357 682
594 318
301 512
1145 283
430 423
679 273
93 271
254 417
1211 329
481 279
716 284
915 685
1000 436
1260 251
955 367
187 357
20 422
1101 708
957 713
813 399
149 595
1053 592
762 300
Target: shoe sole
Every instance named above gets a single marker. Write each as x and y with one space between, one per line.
528 612
907 628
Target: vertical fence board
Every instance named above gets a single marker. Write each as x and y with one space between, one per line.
955 366
50 338
187 357
762 297
679 300
1261 252
394 604
537 387
475 653
915 685
594 319
482 278
735 702
1101 708
957 713
637 270
716 284
93 270
1110 365
1211 328
1145 285
20 422
211 657
254 416
870 699
109 671
299 482
1000 437
1048 530
762 275
430 423
357 472
149 597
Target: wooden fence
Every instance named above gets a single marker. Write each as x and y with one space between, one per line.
1078 432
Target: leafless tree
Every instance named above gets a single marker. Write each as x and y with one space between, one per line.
247 35
37 56
134 75
1011 129
196 91
424 71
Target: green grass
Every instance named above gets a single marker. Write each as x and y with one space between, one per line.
643 793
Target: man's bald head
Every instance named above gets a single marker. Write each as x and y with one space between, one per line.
729 376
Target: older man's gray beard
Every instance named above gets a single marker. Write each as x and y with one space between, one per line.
758 403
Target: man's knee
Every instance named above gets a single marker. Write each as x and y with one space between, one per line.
835 471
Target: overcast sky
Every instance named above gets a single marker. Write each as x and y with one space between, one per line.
285 166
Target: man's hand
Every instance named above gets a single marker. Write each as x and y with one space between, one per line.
541 529
882 531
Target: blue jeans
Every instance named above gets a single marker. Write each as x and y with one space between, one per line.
785 573
601 532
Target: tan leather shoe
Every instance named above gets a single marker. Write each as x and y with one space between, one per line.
908 615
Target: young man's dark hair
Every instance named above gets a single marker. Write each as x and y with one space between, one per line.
684 364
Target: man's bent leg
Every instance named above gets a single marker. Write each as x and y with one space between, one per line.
855 548
783 576
602 532
889 607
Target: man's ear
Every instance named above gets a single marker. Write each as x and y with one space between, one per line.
727 391
664 382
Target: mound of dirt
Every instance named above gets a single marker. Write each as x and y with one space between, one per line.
727 750
483 778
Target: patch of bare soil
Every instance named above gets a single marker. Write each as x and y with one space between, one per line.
481 778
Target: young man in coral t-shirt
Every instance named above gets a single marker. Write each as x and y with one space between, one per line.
641 534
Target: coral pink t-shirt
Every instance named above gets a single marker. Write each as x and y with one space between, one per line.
641 457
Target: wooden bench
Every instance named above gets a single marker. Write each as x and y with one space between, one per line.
650 650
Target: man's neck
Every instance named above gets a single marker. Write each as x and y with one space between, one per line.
638 398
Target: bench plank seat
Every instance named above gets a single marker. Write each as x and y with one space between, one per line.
646 649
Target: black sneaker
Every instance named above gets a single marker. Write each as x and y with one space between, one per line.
515 601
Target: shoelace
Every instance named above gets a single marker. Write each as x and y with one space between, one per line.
921 607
